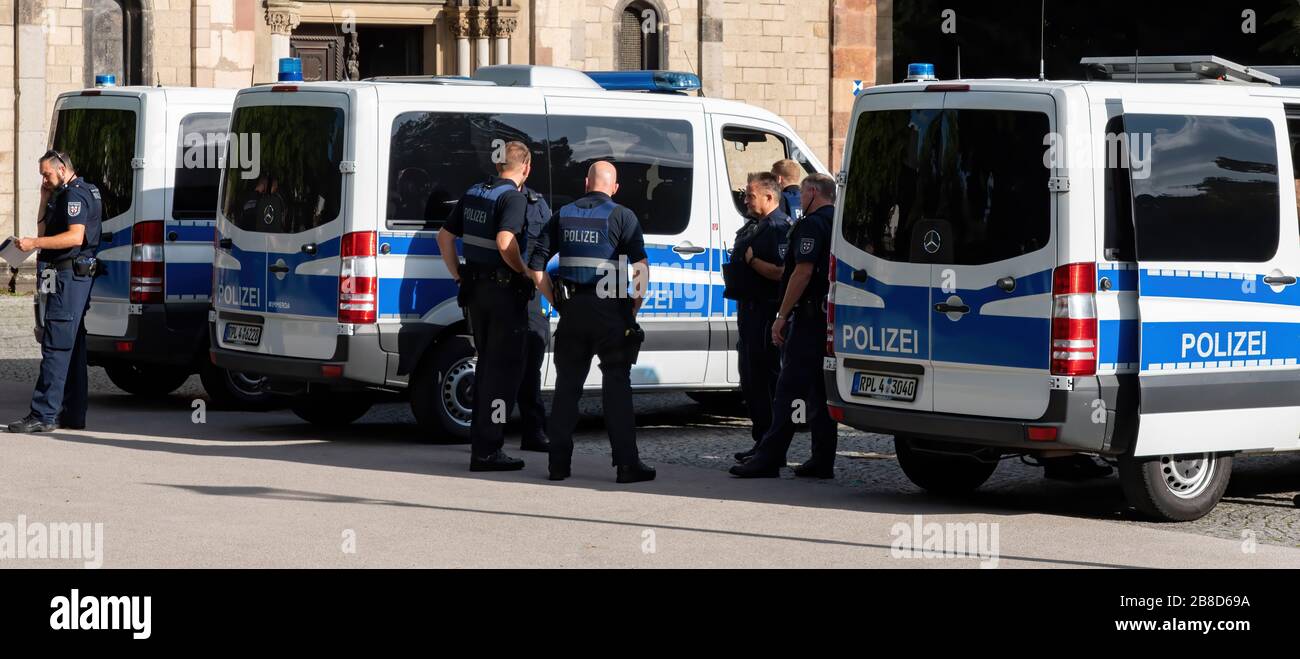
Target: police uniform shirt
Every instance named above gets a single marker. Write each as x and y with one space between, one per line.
810 242
76 203
511 213
624 233
768 239
539 212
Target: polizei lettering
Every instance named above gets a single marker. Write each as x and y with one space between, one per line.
476 216
881 339
586 236
1226 344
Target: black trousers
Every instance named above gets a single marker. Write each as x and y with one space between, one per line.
801 387
498 318
532 411
759 360
61 392
589 326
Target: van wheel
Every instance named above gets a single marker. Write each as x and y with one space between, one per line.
146 379
941 473
442 393
1175 488
323 407
234 390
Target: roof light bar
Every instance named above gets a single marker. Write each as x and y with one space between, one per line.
646 81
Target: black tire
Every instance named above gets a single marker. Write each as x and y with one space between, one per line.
235 391
322 407
941 473
146 379
1175 488
442 390
722 400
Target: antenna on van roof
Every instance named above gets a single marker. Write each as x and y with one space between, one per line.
687 54
1042 43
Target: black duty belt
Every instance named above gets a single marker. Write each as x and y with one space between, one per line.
61 264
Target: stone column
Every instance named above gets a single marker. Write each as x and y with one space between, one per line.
502 29
283 16
711 67
460 29
479 30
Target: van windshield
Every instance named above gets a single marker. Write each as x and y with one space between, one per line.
981 172
101 144
282 168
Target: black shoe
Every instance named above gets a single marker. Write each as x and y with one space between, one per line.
745 455
561 473
635 473
539 444
755 468
812 469
31 424
498 461
72 426
1074 468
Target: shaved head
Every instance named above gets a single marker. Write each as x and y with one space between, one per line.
602 177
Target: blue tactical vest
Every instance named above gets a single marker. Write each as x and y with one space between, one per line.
479 209
791 201
586 252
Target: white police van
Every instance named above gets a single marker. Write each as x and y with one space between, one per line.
1051 268
153 153
328 275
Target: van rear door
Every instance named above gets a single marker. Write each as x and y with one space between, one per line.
1214 216
283 210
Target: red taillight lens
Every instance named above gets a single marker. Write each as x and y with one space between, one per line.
836 413
1074 319
358 279
147 262
1041 433
830 310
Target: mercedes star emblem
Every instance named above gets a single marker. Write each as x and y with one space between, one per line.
931 241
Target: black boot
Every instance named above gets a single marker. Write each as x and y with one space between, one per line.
498 461
814 469
31 424
756 467
635 473
745 455
559 473
538 444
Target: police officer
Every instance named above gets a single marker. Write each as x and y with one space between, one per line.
595 239
495 288
532 411
800 329
66 263
788 171
753 279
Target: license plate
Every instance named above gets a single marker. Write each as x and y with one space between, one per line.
244 335
890 387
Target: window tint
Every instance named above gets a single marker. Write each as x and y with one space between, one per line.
1293 132
1209 191
282 168
101 144
749 150
436 157
654 157
1118 209
198 169
980 173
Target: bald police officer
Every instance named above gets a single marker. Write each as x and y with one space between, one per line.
495 290
71 219
595 239
800 329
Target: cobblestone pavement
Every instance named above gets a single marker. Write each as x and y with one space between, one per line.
674 429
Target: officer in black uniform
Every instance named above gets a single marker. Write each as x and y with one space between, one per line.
803 312
595 238
495 288
66 263
753 279
532 411
788 171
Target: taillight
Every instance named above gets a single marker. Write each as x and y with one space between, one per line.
358 278
147 262
830 310
1074 319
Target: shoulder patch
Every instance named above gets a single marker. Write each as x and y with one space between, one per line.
74 208
806 245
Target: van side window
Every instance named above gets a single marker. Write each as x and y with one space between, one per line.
749 150
101 144
198 173
1207 191
435 157
1118 212
655 160
1293 133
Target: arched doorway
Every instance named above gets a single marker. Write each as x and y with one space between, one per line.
640 36
114 40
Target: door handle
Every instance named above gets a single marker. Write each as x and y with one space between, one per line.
276 268
686 248
944 307
226 243
860 276
1007 284
309 249
1280 280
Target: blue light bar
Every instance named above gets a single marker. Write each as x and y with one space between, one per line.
646 81
920 72
290 69
105 80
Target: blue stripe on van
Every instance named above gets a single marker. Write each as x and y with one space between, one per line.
1231 287
189 279
1118 341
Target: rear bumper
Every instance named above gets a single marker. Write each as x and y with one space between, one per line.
286 375
166 334
1082 417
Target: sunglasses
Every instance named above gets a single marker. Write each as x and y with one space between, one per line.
53 154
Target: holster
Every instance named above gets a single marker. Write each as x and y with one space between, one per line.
465 295
85 266
633 336
563 293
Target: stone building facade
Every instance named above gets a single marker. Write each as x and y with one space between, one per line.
797 58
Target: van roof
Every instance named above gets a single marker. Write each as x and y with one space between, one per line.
1190 92
172 94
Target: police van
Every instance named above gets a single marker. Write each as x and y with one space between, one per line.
1105 267
154 153
328 276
